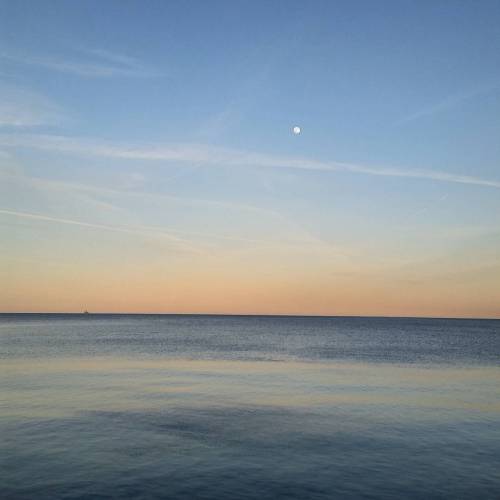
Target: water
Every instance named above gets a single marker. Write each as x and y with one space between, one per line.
214 407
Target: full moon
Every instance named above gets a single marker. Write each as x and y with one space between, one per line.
296 130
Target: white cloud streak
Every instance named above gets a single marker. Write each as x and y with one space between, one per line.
95 63
88 193
23 108
204 155
449 102
146 231
160 232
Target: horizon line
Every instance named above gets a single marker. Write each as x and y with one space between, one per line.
88 313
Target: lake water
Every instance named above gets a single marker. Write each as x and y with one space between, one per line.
230 407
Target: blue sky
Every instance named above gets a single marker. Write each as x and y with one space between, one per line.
172 120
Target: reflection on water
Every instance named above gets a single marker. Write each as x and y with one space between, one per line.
138 424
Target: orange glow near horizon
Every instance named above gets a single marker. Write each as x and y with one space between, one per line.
240 283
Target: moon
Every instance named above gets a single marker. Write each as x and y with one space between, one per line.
296 130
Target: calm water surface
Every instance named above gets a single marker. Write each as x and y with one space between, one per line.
220 407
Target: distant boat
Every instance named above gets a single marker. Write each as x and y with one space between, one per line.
86 312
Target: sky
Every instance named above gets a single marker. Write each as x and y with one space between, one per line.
148 162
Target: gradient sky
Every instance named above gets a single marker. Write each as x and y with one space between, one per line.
148 164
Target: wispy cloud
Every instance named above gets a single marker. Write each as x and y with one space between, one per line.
24 108
172 236
143 230
63 186
92 63
450 102
204 155
95 196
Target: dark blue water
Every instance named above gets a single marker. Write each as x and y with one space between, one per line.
219 407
